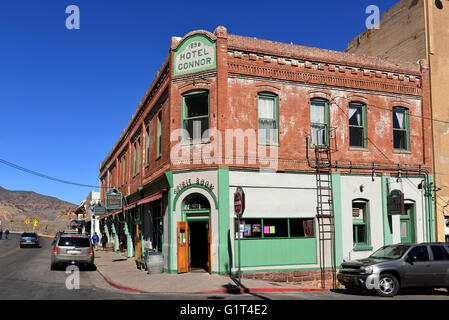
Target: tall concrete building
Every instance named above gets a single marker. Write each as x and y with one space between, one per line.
409 31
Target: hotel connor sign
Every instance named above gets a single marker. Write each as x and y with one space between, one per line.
196 53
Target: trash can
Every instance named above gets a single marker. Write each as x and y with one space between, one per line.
155 263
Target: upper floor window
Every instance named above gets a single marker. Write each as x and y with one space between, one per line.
159 134
400 128
319 122
147 145
357 125
195 116
267 105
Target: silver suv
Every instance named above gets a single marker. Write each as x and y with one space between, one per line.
424 265
72 249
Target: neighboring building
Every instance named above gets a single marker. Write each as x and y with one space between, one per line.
409 31
92 224
178 185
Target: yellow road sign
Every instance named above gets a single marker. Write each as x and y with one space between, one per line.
27 221
35 223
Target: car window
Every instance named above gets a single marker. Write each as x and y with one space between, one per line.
73 242
390 252
439 253
28 234
420 253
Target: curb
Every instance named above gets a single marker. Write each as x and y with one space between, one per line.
230 291
119 286
248 290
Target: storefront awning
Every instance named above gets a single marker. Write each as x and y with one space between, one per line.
151 198
113 213
130 206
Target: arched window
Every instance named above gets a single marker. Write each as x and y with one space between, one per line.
196 201
401 128
357 125
319 121
360 224
195 115
267 111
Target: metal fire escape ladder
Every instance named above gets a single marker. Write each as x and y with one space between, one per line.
325 212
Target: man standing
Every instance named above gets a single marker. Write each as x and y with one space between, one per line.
1 233
104 240
7 233
95 240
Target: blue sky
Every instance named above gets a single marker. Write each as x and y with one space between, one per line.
66 95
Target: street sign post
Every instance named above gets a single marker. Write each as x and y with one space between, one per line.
239 207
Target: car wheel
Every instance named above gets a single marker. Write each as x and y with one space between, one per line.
388 285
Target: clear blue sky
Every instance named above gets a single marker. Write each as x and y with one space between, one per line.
66 95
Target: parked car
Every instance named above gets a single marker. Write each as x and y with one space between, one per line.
424 265
72 248
29 239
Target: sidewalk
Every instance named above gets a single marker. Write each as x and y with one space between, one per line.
122 273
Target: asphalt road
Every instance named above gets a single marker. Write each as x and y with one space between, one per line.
25 275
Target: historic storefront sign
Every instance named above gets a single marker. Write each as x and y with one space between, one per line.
113 200
396 202
196 53
189 182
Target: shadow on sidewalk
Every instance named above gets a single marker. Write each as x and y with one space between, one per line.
237 288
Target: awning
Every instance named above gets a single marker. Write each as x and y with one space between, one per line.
151 198
130 206
113 213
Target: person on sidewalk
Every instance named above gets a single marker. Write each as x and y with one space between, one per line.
7 233
104 240
95 240
1 233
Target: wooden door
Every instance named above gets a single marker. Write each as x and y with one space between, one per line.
209 262
183 247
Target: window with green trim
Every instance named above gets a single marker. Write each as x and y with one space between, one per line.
195 116
267 105
147 145
159 134
135 158
319 122
400 128
124 169
265 228
360 223
139 156
357 125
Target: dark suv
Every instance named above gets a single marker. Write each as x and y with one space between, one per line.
424 265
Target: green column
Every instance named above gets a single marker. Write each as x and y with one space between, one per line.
336 195
170 244
429 207
387 222
224 246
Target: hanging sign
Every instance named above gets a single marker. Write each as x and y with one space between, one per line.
113 200
395 202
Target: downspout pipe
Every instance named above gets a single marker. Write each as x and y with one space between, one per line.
366 167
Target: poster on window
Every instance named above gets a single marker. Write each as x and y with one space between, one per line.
247 230
266 229
256 228
308 228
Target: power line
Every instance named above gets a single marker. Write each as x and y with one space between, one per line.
15 166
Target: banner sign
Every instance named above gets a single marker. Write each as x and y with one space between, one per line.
196 53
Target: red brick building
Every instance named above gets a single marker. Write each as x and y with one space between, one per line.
226 111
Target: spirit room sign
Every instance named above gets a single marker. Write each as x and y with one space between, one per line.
197 53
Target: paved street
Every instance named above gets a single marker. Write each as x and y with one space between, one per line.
25 274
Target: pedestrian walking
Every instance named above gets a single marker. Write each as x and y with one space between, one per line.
95 240
7 233
104 240
1 233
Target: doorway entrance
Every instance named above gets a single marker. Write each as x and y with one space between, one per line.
408 224
194 235
199 246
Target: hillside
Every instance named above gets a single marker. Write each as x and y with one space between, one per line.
17 206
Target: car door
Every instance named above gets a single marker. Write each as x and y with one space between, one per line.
416 271
440 265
